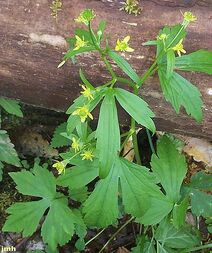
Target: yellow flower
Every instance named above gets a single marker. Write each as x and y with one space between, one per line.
189 16
123 45
87 155
85 16
87 93
79 42
60 167
75 145
83 112
163 36
179 48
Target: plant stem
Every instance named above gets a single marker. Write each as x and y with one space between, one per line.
148 73
114 235
150 141
93 238
126 139
109 67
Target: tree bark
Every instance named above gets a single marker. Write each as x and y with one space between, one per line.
32 45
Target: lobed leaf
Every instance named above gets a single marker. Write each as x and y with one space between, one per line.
180 92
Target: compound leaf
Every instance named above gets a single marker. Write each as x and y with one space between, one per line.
180 92
136 107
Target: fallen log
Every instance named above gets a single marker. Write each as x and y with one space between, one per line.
32 45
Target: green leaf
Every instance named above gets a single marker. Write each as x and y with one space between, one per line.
79 176
170 63
107 134
58 226
7 151
58 140
201 181
158 209
83 34
179 213
136 107
200 201
11 106
1 170
144 246
172 237
101 208
150 43
200 61
125 66
80 194
170 167
25 217
85 81
137 185
101 29
60 221
72 53
180 92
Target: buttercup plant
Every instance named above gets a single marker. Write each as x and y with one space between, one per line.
156 198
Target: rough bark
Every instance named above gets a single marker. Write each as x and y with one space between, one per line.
31 46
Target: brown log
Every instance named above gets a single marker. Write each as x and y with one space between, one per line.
32 44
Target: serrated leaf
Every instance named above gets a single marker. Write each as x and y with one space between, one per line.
201 203
180 92
170 167
25 217
172 237
201 181
40 183
107 134
80 175
125 66
101 208
58 140
136 185
200 61
136 107
58 226
7 151
11 106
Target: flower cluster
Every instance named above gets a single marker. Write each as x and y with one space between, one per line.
85 16
179 48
